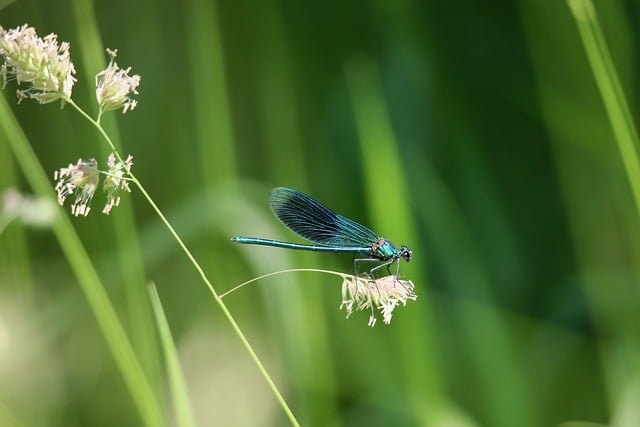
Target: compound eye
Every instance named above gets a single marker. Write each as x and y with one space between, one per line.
406 253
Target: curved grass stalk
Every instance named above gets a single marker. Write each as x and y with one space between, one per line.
198 268
275 273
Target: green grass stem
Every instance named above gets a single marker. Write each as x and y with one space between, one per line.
179 394
129 259
606 77
200 271
86 274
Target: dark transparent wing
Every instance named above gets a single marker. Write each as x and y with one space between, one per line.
309 219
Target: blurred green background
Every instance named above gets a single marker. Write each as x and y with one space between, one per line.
473 132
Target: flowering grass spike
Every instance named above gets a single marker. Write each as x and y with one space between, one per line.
114 87
83 178
41 63
383 294
115 181
80 179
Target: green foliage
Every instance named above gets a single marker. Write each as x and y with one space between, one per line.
497 142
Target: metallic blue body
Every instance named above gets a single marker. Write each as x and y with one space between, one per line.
330 231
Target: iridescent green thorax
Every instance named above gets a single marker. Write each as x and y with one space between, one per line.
383 249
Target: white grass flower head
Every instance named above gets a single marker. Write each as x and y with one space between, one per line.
114 87
81 179
116 181
384 294
43 64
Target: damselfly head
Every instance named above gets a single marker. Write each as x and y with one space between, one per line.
406 253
